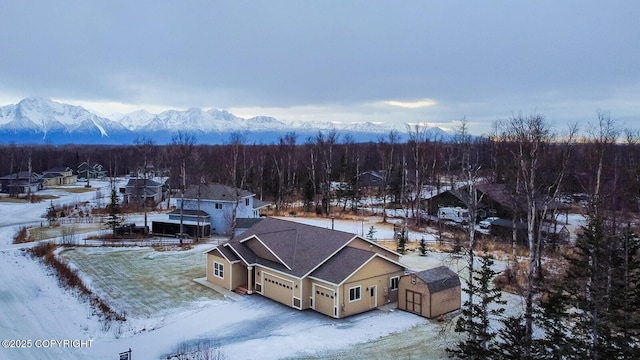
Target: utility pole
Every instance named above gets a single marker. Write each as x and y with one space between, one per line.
184 185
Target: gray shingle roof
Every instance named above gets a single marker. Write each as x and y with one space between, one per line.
344 263
142 183
257 203
216 192
59 169
302 247
245 223
439 278
189 213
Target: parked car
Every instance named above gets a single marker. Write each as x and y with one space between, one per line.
484 224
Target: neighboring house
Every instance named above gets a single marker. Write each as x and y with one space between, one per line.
94 171
376 178
495 201
21 183
372 178
59 176
430 293
333 272
219 202
140 191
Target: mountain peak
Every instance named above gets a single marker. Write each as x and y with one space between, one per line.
43 119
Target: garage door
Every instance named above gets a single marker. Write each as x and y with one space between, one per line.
324 300
278 289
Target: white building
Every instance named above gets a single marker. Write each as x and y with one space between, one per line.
219 201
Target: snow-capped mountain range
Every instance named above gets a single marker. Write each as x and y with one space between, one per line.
39 121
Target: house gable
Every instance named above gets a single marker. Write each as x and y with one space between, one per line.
365 244
375 266
301 247
259 248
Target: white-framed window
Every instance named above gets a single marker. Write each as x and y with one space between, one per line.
393 283
247 202
218 206
218 270
355 293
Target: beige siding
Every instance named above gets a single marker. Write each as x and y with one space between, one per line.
259 249
213 258
408 303
238 275
373 280
445 301
306 292
364 245
431 305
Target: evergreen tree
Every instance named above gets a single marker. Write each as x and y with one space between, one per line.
371 233
602 286
114 219
476 317
402 240
552 317
625 299
512 339
423 247
52 214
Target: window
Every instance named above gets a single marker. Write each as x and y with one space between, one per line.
247 201
218 270
394 283
218 206
354 293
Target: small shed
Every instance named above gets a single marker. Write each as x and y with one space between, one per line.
430 293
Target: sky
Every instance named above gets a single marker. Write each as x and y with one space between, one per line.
392 62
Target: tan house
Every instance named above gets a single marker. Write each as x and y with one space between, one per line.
430 293
333 272
59 176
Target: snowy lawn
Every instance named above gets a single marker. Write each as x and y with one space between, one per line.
143 282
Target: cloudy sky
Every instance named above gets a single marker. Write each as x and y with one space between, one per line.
379 61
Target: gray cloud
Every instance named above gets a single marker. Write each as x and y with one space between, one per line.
477 59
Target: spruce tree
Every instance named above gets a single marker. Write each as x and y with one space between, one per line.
512 339
553 318
52 214
601 284
476 317
114 220
371 234
423 247
402 241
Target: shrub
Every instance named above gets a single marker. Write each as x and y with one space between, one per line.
22 236
69 278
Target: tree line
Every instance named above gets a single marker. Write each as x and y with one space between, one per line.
587 309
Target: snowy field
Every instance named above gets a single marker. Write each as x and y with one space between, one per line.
165 308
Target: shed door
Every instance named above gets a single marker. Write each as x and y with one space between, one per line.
414 302
278 289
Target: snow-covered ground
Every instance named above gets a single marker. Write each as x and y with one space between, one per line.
35 308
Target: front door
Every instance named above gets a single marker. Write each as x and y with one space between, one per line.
373 297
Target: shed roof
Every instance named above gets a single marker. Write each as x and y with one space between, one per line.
439 278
